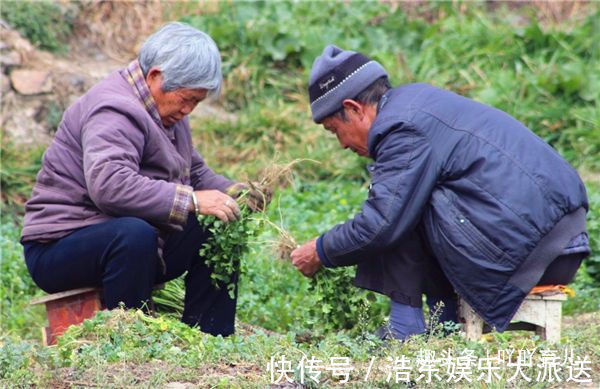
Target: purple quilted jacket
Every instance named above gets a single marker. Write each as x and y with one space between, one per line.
109 159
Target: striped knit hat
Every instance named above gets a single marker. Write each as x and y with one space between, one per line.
338 75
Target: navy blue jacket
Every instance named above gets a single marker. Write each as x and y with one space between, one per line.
496 202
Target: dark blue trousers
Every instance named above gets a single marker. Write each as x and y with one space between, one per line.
120 256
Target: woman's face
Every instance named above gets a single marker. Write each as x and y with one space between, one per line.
174 105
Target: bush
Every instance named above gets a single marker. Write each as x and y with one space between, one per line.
593 227
18 169
44 23
16 287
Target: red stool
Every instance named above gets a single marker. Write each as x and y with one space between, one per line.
67 308
71 307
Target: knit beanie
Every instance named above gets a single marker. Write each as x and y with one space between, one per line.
337 75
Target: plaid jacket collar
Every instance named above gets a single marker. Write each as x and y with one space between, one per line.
135 77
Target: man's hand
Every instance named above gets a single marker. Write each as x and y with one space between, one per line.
306 259
256 198
216 203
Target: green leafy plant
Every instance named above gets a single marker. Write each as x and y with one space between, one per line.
222 252
592 263
226 246
338 304
170 299
229 242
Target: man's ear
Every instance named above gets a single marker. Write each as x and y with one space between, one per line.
353 106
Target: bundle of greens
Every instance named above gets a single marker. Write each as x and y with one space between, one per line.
229 242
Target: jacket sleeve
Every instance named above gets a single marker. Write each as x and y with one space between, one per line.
113 146
403 178
202 177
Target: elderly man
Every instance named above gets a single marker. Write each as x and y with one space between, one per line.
116 200
455 184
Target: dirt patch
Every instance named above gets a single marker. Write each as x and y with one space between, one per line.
30 115
582 320
156 374
547 13
589 176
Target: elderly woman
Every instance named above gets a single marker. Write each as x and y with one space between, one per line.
115 202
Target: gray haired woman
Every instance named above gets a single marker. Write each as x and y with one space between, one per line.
115 201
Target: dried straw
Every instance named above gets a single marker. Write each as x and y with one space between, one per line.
117 27
285 243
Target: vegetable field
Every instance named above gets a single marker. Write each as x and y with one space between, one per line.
521 58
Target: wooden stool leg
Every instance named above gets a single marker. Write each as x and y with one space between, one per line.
46 335
472 323
544 312
541 332
553 321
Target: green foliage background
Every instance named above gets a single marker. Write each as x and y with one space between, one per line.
547 78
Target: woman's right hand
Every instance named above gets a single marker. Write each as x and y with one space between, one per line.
219 204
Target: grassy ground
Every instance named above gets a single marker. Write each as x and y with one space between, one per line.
277 316
543 74
126 348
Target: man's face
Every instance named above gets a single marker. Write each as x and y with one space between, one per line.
174 105
353 132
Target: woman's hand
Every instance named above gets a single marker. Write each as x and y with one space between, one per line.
216 203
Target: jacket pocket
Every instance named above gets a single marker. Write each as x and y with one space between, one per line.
478 239
462 233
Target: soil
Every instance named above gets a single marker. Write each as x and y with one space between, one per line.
158 374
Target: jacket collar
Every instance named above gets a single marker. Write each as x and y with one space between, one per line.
134 75
382 123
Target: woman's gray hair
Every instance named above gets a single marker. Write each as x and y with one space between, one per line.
187 58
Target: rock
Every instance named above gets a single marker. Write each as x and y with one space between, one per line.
31 82
15 42
18 120
179 385
12 58
4 84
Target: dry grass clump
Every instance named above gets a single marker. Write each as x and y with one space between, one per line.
275 175
117 27
278 175
285 242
